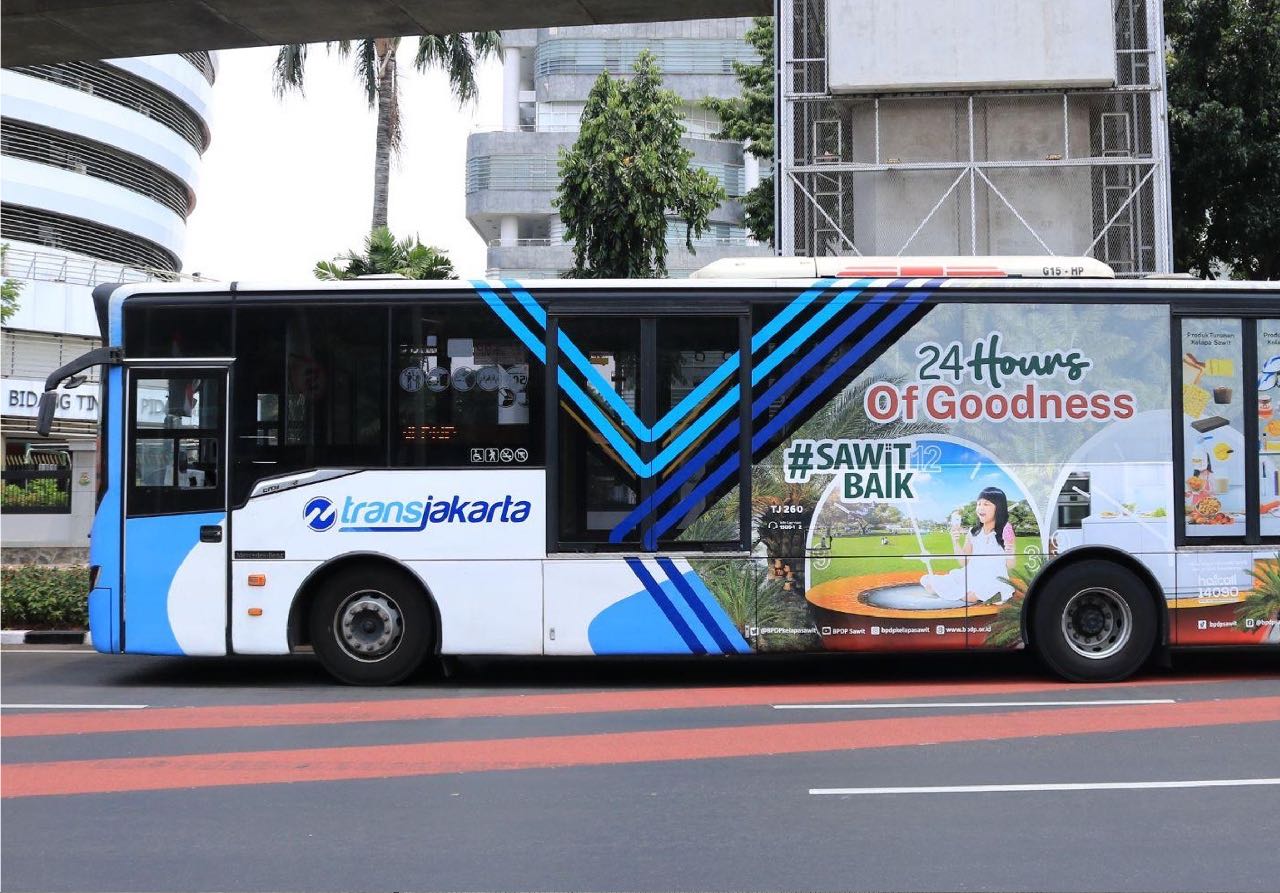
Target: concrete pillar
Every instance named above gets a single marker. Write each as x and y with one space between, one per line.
511 88
508 231
84 489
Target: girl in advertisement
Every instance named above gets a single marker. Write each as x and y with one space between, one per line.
980 577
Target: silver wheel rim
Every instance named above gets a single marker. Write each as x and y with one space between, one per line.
368 625
1097 623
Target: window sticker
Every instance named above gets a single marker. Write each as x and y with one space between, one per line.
1213 397
1268 409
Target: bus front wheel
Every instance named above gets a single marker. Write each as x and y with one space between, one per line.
1094 622
371 626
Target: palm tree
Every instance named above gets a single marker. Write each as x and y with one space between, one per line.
375 58
383 255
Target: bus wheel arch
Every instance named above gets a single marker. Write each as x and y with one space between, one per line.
1088 568
389 594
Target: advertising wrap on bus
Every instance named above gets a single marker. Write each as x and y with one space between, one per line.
916 508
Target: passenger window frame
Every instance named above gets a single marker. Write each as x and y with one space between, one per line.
153 501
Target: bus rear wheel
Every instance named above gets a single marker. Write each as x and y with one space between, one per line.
371 626
1094 622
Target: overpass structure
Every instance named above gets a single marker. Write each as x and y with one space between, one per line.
36 32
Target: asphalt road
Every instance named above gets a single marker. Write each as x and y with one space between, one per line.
968 773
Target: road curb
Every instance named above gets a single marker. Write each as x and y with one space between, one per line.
43 637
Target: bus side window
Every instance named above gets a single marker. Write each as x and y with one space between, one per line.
465 392
176 454
309 391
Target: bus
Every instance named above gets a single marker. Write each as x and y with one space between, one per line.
779 455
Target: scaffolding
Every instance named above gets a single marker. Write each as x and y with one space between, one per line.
1072 172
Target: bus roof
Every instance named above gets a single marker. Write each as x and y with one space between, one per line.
934 266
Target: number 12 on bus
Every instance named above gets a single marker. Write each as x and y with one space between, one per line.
779 455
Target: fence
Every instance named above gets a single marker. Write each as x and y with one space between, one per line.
36 484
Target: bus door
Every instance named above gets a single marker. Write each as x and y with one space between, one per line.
175 527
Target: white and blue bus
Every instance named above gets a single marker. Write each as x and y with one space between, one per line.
783 454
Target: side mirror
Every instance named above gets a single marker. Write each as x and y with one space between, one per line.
48 406
75 381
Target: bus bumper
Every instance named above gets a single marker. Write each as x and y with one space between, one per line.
104 626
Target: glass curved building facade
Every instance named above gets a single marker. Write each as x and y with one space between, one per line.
100 173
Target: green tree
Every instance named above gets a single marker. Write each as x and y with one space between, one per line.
748 118
383 255
1224 135
9 290
623 176
376 69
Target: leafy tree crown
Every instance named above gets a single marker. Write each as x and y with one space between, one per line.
625 174
384 255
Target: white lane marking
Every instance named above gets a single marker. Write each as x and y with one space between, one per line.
935 705
1082 786
72 706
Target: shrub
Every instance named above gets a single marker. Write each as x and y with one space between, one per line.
39 597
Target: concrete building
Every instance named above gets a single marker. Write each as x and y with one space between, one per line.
511 175
100 172
974 127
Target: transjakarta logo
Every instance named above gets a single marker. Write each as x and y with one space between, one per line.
379 516
320 514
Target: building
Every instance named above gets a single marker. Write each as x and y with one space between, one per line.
99 177
974 127
511 175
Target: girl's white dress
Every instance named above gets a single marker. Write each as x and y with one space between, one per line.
981 574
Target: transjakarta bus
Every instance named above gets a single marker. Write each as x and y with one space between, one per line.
780 455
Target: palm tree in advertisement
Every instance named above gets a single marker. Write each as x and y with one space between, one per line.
375 64
1262 605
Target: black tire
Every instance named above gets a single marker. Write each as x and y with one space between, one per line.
371 625
1094 621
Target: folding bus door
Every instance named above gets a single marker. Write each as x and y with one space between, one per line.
175 527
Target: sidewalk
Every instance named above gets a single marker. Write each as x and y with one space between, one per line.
44 637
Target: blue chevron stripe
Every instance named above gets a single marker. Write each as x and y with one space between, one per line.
610 433
849 290
789 312
808 395
664 604
526 301
504 313
696 605
802 334
722 619
707 453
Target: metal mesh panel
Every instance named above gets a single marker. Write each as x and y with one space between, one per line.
995 172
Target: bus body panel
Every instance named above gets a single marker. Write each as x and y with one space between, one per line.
497 514
630 605
486 607
105 547
266 632
176 600
1214 589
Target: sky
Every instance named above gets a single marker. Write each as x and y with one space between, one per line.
288 182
